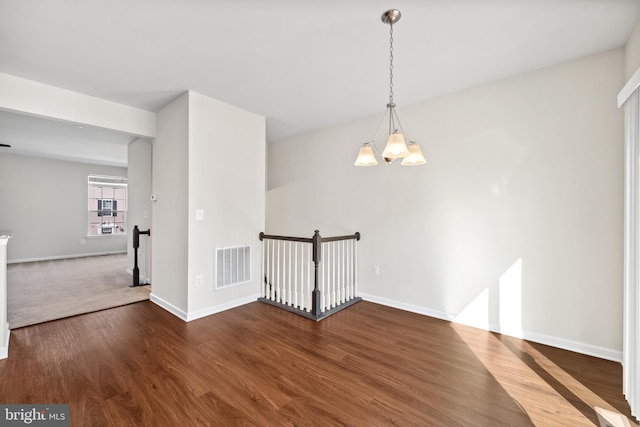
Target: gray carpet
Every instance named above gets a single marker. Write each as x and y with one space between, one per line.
47 290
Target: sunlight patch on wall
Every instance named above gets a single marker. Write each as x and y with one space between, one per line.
510 300
476 313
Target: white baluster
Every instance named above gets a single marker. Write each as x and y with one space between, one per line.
338 273
323 291
262 272
267 270
274 269
303 282
278 261
289 284
352 267
294 296
309 268
267 263
326 296
343 272
334 250
355 269
332 274
330 271
269 274
329 276
347 273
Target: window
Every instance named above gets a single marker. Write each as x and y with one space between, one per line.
107 205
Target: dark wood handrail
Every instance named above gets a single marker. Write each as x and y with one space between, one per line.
356 236
288 238
263 236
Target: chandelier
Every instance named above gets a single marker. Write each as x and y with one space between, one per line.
397 147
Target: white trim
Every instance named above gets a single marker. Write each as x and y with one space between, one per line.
168 306
51 258
629 88
408 307
4 349
631 310
576 347
222 307
588 349
188 317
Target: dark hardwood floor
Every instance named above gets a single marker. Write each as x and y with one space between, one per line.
368 365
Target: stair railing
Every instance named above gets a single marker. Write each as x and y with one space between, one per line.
314 277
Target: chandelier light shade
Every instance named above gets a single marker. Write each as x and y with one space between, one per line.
366 156
415 157
396 147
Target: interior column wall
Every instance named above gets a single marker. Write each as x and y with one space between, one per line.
169 223
227 184
139 204
208 156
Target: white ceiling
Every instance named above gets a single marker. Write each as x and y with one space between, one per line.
303 64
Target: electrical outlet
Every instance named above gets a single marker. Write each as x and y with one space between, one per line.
83 241
199 214
199 280
376 270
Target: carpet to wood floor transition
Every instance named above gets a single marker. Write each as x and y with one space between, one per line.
41 291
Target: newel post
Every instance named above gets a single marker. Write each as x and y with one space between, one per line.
315 296
136 245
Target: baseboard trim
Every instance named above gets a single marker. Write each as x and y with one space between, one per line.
188 317
221 307
53 258
168 306
4 349
577 347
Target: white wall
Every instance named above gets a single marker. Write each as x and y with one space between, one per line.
226 181
44 202
207 156
169 223
514 224
139 204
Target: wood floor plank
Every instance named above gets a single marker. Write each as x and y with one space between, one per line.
368 365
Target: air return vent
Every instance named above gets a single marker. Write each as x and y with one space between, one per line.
233 266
